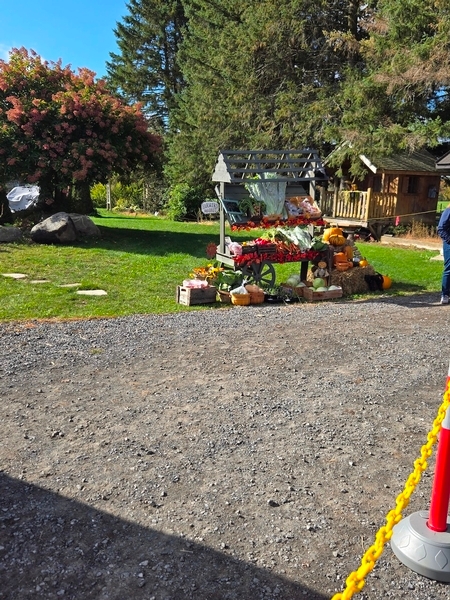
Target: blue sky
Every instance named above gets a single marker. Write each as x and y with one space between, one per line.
79 32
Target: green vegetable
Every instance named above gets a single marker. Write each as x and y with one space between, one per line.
298 236
319 282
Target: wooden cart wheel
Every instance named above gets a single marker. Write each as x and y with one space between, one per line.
261 273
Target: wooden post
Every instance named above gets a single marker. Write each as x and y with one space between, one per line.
367 207
335 200
222 219
108 196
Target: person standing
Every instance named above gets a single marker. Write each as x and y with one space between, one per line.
443 230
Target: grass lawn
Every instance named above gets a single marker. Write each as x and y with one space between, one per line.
139 261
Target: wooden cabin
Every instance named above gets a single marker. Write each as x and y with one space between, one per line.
396 190
443 164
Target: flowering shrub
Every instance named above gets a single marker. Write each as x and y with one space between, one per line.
57 127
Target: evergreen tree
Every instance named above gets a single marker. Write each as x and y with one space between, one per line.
146 68
400 101
259 74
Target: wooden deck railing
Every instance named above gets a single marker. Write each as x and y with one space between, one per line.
382 205
360 206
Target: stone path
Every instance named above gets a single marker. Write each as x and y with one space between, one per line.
65 285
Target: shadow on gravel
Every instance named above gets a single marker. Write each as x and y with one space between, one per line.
426 299
52 547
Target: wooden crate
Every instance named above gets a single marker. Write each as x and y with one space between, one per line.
266 248
311 296
297 290
190 296
249 249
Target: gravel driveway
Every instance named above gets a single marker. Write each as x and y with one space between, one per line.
246 453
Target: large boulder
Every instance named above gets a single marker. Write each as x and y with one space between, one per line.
58 228
10 234
64 228
84 225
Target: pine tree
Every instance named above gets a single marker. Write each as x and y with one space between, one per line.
400 101
146 68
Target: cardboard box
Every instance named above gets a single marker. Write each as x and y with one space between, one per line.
190 296
310 296
294 207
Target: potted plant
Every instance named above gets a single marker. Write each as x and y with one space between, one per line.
226 280
272 295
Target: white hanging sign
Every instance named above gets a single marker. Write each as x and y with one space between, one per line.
209 208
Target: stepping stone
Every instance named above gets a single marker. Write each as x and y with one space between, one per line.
40 281
92 292
70 285
15 275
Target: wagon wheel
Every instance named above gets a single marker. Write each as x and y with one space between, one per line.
260 273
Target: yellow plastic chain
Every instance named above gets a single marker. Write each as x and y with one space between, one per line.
356 580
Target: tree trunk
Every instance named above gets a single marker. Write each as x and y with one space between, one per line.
6 215
79 199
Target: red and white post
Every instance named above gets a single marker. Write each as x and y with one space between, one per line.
440 495
422 540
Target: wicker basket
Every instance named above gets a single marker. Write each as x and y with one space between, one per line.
224 297
257 295
240 299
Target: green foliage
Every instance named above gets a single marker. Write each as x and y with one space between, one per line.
184 202
295 73
145 195
444 195
399 100
259 75
98 195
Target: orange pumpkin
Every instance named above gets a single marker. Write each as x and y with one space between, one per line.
336 239
348 251
339 257
344 266
329 232
387 282
336 231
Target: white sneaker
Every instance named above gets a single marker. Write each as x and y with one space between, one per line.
444 299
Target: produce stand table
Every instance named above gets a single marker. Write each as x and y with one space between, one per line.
294 174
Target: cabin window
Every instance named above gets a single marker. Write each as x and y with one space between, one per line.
413 185
377 183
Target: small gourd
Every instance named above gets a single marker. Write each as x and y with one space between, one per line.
363 263
387 282
344 266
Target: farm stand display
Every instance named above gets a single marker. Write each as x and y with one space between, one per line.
283 185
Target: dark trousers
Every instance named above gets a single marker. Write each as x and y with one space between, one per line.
446 273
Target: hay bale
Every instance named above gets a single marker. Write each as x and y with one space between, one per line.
352 281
